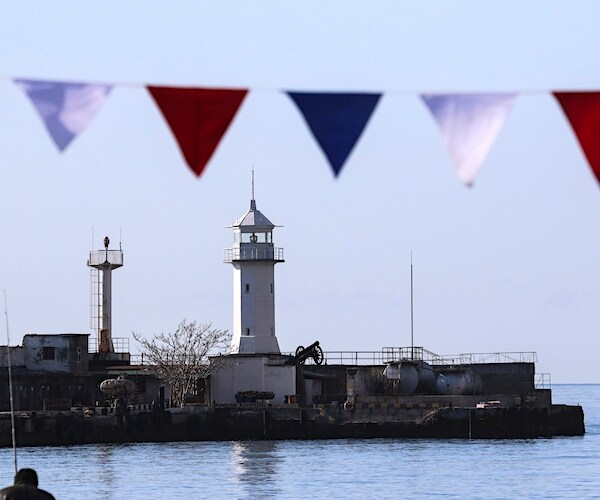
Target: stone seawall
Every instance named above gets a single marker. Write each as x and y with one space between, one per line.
240 422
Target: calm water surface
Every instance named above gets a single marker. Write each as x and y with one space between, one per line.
382 468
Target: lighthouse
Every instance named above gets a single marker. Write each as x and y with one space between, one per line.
253 256
102 263
255 363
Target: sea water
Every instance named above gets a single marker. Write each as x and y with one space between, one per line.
563 467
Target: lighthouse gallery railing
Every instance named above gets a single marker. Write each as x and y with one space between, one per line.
252 253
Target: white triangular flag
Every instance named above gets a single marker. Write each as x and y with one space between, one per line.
66 108
470 124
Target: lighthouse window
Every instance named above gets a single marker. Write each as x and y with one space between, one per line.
247 287
271 287
255 238
247 331
48 353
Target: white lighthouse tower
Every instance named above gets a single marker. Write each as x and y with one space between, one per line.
255 362
253 257
102 263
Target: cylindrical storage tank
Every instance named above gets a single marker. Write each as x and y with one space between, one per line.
117 387
426 383
473 382
450 383
458 383
404 375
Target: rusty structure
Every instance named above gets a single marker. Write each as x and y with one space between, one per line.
395 392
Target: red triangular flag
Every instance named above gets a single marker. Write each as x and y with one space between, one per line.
198 118
583 111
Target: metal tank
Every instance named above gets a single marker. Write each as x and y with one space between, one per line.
458 382
427 378
117 387
403 375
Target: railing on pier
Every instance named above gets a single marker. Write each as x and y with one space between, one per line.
542 381
351 358
490 357
139 359
389 354
120 344
136 359
421 354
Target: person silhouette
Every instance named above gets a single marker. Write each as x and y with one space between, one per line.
25 488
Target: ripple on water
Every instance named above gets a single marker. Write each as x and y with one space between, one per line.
380 468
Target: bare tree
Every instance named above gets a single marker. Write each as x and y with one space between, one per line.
181 357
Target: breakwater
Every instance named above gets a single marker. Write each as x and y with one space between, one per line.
259 422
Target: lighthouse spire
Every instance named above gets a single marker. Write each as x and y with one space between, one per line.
252 202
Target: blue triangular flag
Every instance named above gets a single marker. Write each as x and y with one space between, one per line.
65 107
336 120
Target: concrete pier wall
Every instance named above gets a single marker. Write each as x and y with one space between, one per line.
291 422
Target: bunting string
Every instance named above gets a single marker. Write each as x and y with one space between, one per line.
199 117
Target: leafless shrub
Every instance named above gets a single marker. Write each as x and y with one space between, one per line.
181 357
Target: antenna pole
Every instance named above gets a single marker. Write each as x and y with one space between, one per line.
252 181
412 344
10 387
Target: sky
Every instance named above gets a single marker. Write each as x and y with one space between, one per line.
510 264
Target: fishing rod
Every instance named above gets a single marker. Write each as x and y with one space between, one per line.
10 387
412 322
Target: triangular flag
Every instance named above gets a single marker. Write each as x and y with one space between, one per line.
198 118
583 111
470 124
65 107
336 121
